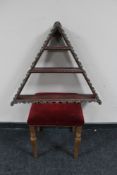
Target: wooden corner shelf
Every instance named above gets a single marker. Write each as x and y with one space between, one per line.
56 34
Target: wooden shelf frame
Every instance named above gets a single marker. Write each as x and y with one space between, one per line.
58 32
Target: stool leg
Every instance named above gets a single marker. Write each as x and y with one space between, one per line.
73 129
77 140
33 140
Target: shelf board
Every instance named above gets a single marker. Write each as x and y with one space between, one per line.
55 98
57 48
56 70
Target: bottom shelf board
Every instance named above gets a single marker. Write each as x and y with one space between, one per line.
55 98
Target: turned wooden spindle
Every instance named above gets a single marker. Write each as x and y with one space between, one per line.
33 140
77 140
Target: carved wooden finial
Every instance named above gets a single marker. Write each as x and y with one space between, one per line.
57 24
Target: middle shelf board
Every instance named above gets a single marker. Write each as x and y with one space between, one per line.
56 70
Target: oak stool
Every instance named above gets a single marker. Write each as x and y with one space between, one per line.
56 114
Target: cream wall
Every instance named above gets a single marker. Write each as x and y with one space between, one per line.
92 28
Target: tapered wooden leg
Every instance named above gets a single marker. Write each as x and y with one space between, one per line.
77 140
73 129
33 140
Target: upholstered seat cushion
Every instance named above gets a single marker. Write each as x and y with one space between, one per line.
57 114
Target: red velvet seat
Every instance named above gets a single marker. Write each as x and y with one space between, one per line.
56 114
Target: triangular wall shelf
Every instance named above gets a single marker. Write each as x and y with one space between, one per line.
56 32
